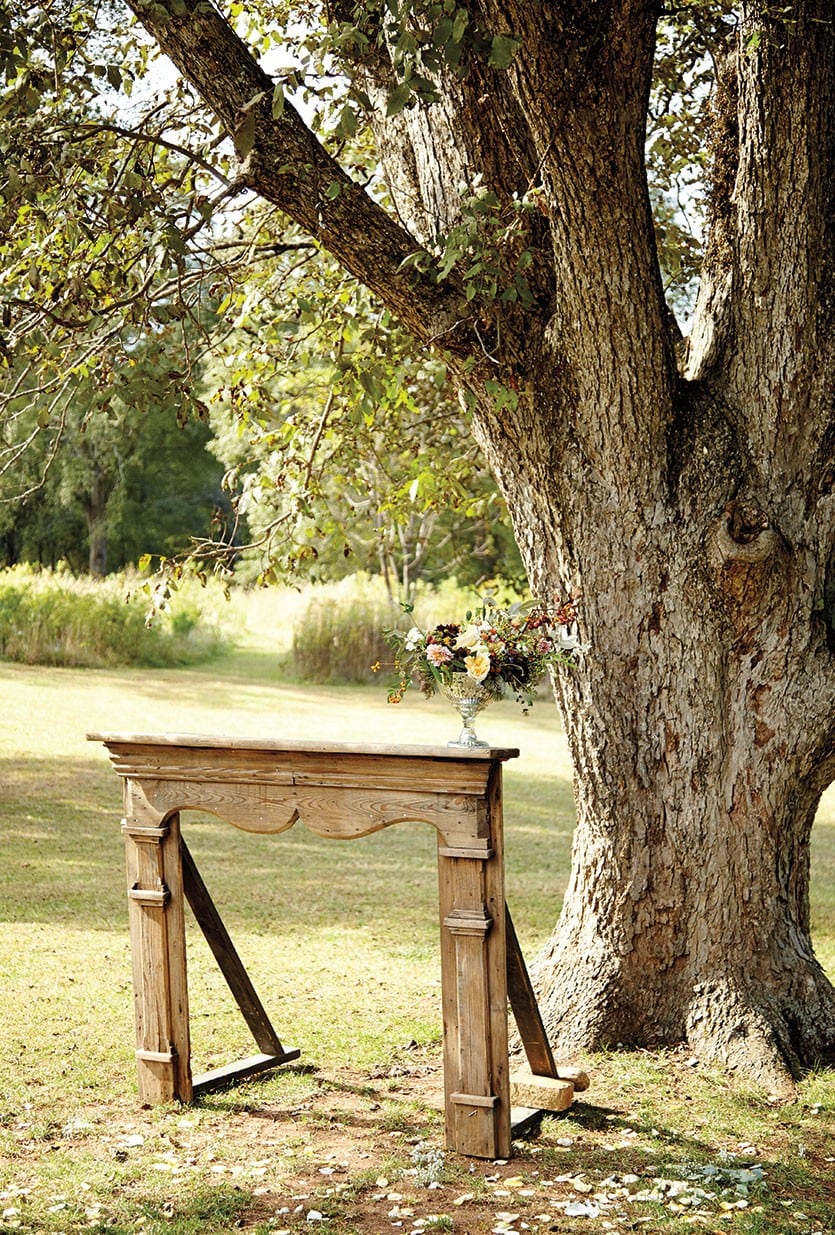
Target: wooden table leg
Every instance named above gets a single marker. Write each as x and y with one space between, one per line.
474 993
157 931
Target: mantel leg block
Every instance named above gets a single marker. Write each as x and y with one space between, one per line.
540 1092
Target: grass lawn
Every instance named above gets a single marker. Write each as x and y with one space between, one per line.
341 943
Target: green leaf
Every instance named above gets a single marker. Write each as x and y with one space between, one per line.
244 135
346 126
398 98
502 50
278 101
369 383
362 98
452 53
442 32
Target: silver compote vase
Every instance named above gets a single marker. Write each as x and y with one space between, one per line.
470 698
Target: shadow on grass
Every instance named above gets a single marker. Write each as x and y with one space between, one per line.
248 675
299 1094
241 680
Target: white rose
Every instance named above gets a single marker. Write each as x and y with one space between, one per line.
413 639
469 637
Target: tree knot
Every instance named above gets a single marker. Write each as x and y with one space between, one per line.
743 551
745 522
744 533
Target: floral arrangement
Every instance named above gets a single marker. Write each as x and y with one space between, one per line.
497 649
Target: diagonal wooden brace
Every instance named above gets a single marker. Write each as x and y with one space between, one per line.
239 983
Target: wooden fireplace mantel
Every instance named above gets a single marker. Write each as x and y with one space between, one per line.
341 792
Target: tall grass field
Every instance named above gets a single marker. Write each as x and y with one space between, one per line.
341 941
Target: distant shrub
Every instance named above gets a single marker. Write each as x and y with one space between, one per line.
338 631
54 618
338 635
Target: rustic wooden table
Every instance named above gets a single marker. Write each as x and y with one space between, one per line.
341 792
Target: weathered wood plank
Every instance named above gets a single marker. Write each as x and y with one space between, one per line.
251 1066
529 1022
271 811
545 1092
330 812
175 925
425 770
204 741
525 1008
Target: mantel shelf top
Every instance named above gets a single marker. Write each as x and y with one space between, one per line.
201 741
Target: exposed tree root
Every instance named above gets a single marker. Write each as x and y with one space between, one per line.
765 1038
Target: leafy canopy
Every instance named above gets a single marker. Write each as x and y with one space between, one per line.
120 215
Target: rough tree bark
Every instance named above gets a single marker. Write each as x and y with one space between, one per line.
693 514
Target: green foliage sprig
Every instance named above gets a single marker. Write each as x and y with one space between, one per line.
420 39
489 248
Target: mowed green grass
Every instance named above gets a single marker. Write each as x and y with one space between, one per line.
339 938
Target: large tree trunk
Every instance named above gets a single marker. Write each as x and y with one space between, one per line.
697 783
694 518
700 721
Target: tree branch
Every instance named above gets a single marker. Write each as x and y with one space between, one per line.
80 132
285 163
785 235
